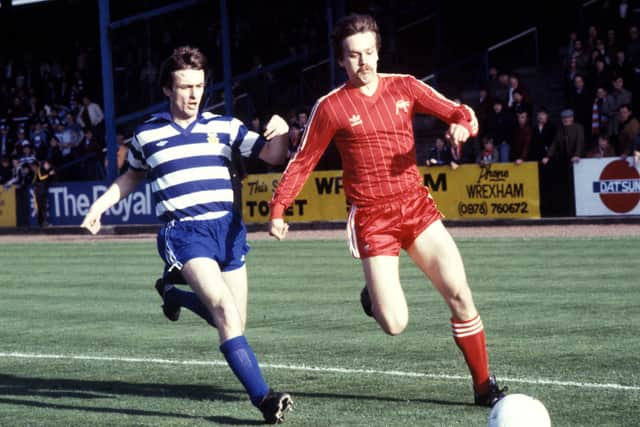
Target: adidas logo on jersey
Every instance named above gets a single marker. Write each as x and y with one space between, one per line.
355 120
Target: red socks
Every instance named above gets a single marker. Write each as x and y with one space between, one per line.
469 336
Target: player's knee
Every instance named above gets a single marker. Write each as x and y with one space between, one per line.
461 301
394 324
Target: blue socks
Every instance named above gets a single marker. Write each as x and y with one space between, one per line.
244 365
188 300
237 351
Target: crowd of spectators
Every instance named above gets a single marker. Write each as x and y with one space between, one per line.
597 118
50 98
69 138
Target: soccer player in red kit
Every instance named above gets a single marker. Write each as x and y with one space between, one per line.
370 120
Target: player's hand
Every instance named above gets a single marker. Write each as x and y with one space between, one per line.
474 120
278 228
276 126
457 134
91 222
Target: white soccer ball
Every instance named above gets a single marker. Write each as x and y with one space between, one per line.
519 410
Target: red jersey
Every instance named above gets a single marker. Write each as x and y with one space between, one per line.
374 135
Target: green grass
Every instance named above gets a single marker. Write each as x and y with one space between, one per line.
560 310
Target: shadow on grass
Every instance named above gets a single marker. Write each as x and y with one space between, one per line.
12 387
130 412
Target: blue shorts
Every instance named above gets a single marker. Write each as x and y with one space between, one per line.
223 240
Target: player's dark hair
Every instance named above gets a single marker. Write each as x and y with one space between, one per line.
350 25
182 58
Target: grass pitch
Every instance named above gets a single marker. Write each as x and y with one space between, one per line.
83 340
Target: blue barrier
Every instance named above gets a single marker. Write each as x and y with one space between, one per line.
70 202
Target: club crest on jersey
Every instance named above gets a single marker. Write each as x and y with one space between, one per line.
355 120
403 105
212 138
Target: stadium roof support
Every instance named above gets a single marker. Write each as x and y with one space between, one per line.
107 89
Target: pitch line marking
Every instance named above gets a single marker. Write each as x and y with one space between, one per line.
327 369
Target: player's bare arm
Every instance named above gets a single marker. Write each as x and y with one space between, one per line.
277 133
120 188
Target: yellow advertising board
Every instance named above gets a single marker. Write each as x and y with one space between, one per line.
321 198
7 207
500 190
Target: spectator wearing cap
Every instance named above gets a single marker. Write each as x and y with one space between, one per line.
566 149
569 140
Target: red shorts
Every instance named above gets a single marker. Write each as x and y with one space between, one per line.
384 228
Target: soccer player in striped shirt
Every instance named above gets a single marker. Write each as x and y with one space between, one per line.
370 120
187 156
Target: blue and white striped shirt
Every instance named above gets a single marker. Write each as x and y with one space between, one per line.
189 168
